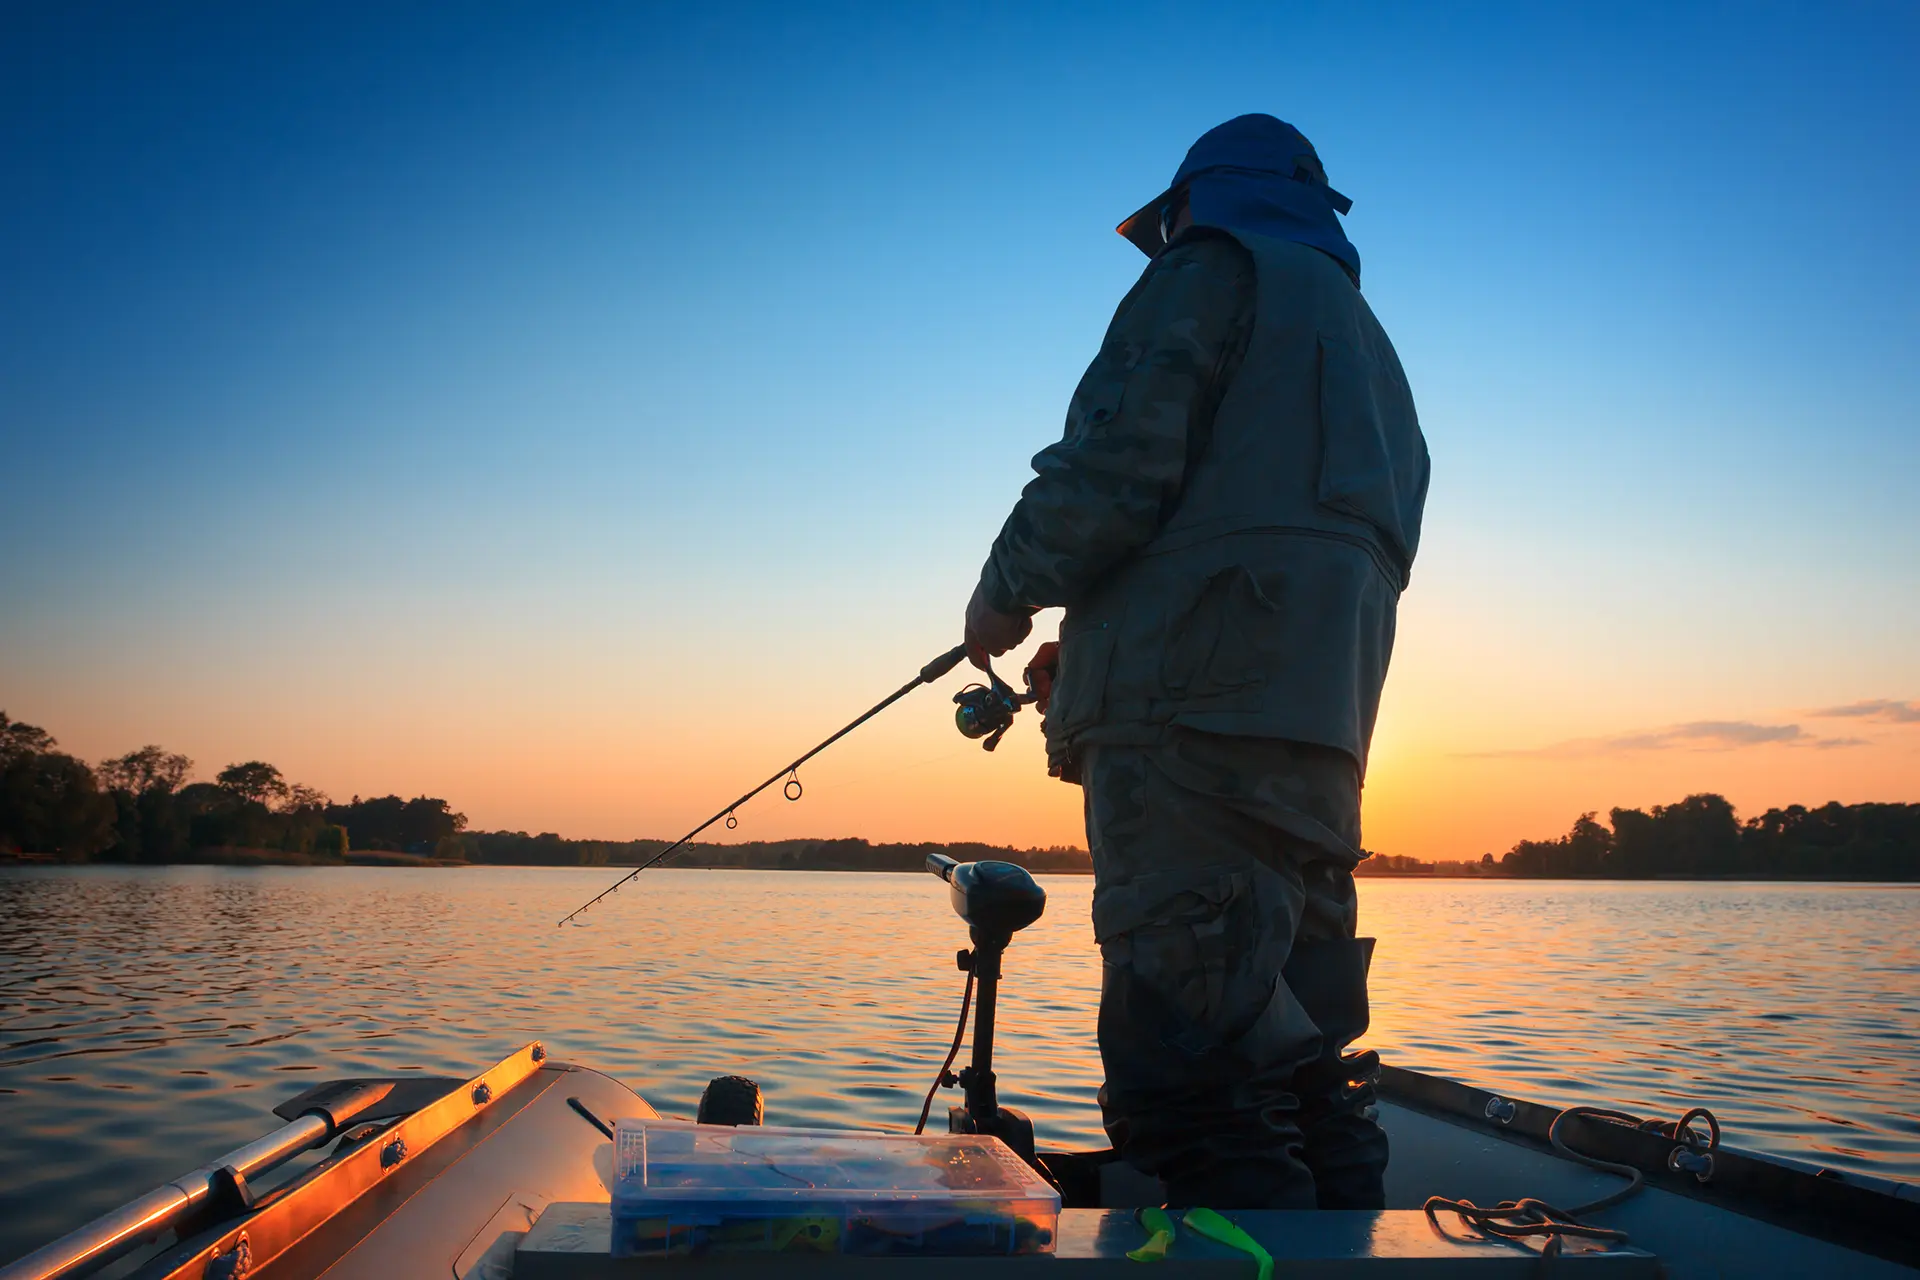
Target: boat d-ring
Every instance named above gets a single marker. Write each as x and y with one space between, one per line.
1684 1159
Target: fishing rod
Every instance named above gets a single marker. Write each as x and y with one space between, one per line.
985 711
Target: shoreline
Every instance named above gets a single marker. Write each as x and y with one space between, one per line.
364 858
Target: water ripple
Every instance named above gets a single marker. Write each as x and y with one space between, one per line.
180 1003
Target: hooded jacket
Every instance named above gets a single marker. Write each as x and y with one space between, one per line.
1234 509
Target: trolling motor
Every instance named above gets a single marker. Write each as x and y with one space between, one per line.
987 711
997 900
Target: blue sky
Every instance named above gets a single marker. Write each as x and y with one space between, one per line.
531 404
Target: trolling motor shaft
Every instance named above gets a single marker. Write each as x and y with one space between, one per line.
997 900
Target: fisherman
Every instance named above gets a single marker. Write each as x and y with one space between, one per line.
1228 521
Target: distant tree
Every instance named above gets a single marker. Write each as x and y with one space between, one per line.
1706 834
425 821
1392 864
1587 847
1834 841
150 768
51 803
1696 836
255 782
388 822
373 823
330 841
299 800
19 739
162 829
1583 851
142 783
1637 844
211 814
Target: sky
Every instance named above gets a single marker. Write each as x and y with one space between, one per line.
578 411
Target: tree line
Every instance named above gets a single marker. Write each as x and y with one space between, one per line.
141 807
1702 837
520 849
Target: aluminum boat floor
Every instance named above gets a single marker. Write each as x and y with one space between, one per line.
1432 1156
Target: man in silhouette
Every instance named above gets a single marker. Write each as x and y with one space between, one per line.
1229 521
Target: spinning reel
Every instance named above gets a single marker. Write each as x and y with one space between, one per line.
987 710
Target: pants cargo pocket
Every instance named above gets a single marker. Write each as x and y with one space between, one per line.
1191 998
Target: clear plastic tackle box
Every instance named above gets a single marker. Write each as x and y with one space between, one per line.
682 1189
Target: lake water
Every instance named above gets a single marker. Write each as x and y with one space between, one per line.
150 1018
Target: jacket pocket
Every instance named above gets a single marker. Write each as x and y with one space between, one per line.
1373 459
1225 640
1081 691
1094 408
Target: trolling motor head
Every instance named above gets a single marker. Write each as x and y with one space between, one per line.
996 898
987 710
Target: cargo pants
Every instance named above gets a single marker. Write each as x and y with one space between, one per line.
1232 982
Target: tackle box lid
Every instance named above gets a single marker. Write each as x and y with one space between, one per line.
663 1161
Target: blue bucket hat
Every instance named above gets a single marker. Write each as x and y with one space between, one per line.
1255 174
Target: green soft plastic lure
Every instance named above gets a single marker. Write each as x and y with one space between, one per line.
1160 1225
1214 1227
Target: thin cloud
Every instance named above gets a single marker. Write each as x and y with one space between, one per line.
1708 733
1882 709
1697 735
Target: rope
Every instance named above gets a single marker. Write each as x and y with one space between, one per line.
1521 1219
1635 1179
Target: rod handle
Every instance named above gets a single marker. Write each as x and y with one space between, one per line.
942 664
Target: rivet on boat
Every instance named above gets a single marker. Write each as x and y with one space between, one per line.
393 1153
482 1094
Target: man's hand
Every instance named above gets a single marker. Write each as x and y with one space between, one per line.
1042 671
991 633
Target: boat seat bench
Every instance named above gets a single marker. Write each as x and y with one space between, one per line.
570 1242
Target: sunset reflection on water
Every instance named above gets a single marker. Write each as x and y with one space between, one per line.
151 1018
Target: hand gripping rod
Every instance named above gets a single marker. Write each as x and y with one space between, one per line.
928 674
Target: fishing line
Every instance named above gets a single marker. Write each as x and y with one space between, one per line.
791 773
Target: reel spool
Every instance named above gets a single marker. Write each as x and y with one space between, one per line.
987 710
